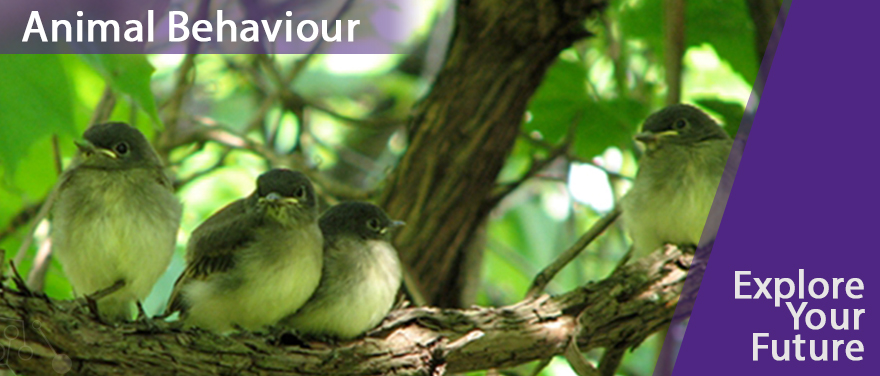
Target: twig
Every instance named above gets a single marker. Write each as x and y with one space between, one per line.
578 363
291 100
345 153
540 367
19 282
611 359
97 295
294 102
213 131
41 214
182 182
22 218
674 18
618 53
105 106
546 275
183 82
56 152
538 165
92 299
37 275
575 158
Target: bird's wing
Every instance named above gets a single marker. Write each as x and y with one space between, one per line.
213 247
163 179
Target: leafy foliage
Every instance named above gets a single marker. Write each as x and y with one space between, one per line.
346 122
128 74
37 101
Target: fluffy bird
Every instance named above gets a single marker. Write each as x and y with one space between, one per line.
361 274
255 261
115 218
678 176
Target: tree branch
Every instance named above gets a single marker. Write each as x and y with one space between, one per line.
674 18
634 302
763 13
546 275
464 129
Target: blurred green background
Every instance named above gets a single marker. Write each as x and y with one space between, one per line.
344 118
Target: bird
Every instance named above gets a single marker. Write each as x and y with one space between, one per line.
360 278
679 173
115 218
254 261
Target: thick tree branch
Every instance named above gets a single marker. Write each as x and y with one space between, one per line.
634 302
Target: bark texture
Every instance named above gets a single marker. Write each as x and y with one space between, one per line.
763 13
463 131
46 337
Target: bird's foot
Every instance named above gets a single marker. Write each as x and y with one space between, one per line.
92 299
145 323
623 260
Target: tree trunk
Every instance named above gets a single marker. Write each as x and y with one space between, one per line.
463 131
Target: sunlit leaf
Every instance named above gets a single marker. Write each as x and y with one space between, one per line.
723 24
731 113
727 27
558 101
35 102
128 74
562 100
608 123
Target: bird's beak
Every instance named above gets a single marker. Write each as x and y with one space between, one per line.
392 226
651 137
277 198
87 148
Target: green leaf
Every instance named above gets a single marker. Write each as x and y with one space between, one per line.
558 101
608 123
643 20
725 25
128 74
731 113
562 99
36 100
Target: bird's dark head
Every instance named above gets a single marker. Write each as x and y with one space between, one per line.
357 219
286 195
115 146
679 124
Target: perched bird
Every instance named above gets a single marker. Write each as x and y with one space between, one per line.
678 176
361 274
115 218
255 261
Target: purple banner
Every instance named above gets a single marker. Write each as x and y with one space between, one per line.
206 26
790 286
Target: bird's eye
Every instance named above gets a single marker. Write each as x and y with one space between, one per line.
680 124
300 192
373 224
121 148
